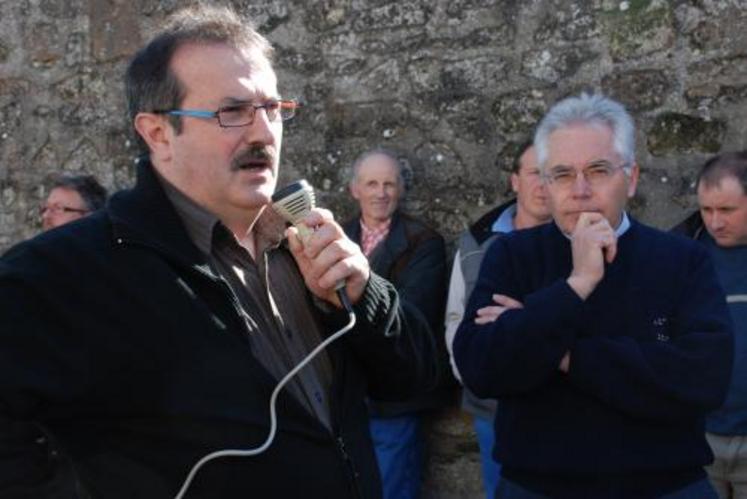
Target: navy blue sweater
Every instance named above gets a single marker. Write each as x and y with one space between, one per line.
651 353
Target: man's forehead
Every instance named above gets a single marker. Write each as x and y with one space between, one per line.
379 165
725 185
528 158
64 193
224 70
581 144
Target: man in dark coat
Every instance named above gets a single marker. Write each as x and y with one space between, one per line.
605 341
412 256
154 332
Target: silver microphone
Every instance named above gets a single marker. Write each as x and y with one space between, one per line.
293 202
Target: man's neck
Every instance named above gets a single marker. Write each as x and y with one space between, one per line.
524 220
375 223
241 226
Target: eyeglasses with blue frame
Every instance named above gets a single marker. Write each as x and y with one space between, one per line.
241 113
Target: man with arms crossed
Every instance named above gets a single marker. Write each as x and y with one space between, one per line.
153 332
527 210
721 225
610 340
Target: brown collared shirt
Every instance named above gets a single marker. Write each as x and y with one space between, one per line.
273 341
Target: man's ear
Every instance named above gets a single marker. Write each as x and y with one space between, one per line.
633 180
156 132
353 186
515 183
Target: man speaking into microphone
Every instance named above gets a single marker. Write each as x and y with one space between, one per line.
153 332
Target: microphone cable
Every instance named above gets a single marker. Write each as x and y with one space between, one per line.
345 300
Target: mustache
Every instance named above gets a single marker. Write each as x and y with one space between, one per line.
253 155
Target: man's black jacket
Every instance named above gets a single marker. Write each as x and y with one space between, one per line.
413 258
120 343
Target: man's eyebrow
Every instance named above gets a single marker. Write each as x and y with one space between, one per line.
236 101
594 162
233 101
599 162
560 167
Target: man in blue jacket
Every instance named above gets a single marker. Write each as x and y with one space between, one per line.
605 341
721 225
154 332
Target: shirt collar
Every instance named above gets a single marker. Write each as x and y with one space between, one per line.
198 221
505 221
378 228
624 225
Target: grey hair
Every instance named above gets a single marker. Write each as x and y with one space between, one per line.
588 110
379 151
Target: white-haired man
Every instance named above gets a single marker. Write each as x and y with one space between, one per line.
605 341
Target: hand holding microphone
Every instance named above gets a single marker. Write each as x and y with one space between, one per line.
328 260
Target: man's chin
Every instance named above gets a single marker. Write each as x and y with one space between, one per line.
725 241
255 199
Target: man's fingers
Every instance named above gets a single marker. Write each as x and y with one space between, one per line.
318 216
507 301
607 240
294 241
589 218
492 312
610 251
488 314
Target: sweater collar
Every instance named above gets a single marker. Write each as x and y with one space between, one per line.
621 229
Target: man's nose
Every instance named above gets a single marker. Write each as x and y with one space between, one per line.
260 130
580 187
46 218
717 221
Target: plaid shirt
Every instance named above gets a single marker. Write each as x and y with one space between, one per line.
370 238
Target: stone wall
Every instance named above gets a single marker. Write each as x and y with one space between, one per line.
453 84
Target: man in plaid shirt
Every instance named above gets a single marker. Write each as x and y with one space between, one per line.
413 257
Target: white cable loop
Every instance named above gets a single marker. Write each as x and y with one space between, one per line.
273 416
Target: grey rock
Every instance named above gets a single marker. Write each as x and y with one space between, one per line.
454 85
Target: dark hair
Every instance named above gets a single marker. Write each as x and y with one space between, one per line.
87 187
523 147
728 164
151 85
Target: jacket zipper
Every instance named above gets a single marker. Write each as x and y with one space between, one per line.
339 442
350 465
196 269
